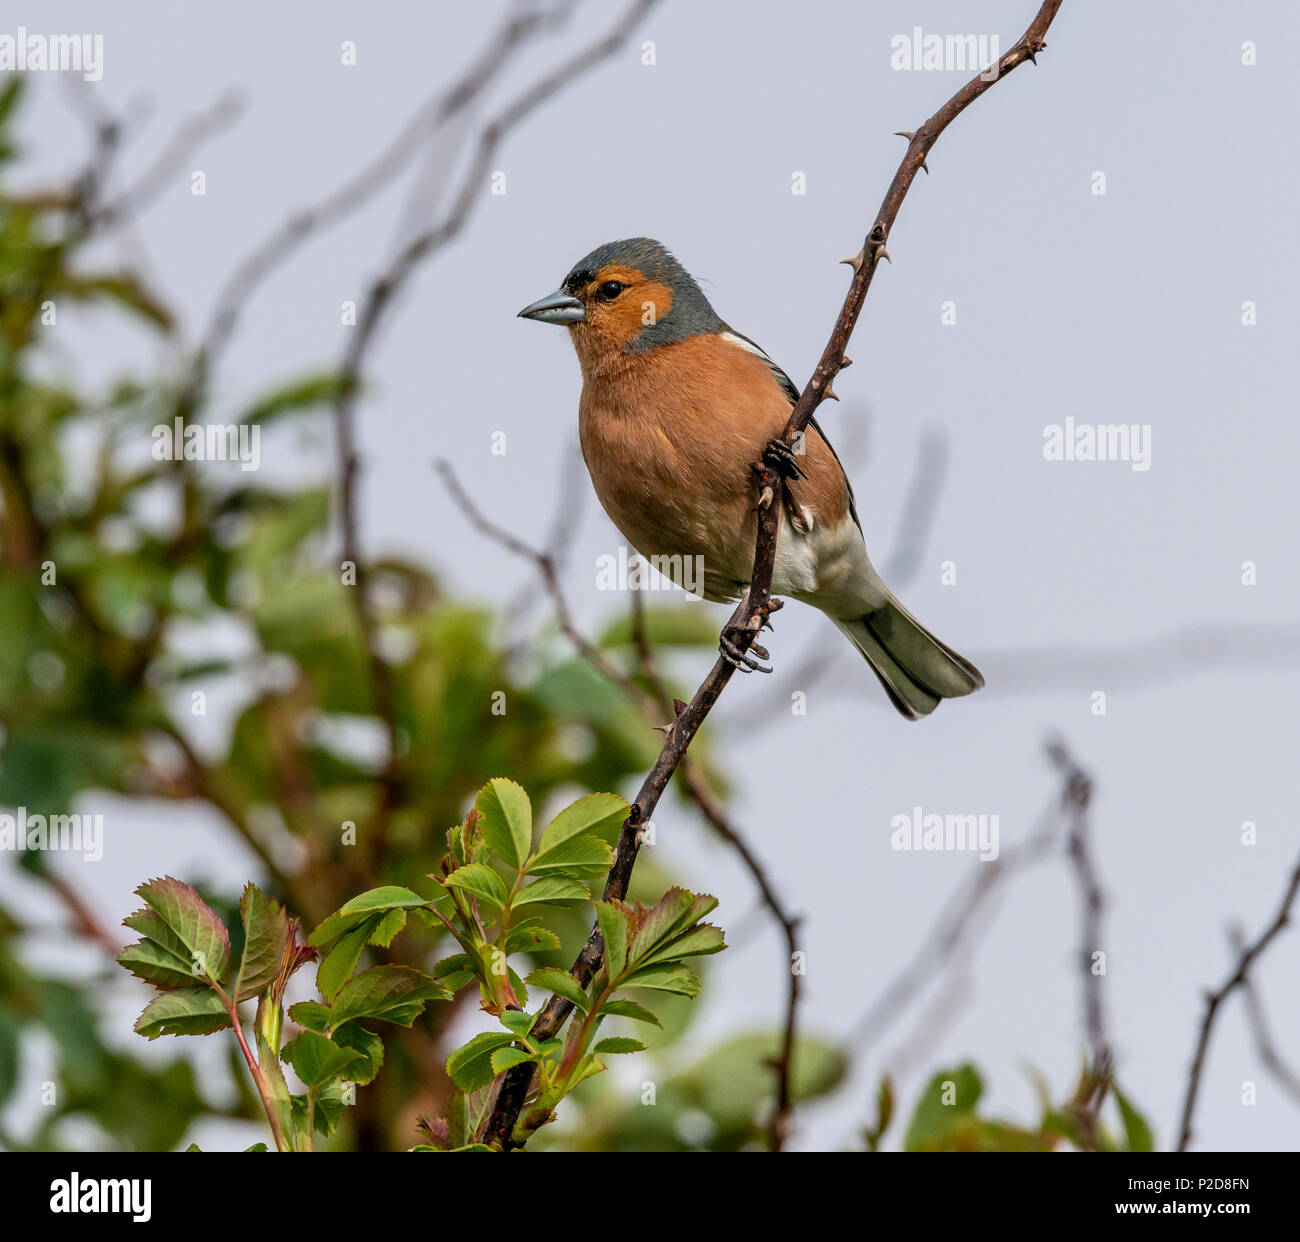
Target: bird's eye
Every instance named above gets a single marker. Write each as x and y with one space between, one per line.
609 290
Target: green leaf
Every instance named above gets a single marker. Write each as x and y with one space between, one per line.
370 1047
665 977
506 820
266 936
1137 1133
480 881
454 972
470 1066
675 911
577 855
550 890
194 1011
393 993
303 394
949 1097
387 928
619 1044
192 922
338 964
601 814
316 1059
312 1015
518 1021
154 964
699 940
561 983
505 1058
529 936
613 919
361 908
629 1009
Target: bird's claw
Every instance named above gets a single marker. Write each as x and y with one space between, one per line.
779 456
739 659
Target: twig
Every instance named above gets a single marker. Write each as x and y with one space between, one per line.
757 604
1076 798
949 934
158 176
1287 1078
376 176
1213 1000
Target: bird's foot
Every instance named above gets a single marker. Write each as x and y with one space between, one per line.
780 457
737 657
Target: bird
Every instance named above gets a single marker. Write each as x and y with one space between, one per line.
675 407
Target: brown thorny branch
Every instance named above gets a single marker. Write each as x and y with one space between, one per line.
379 299
1238 979
757 604
656 706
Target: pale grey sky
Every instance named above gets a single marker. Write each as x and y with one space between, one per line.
1122 307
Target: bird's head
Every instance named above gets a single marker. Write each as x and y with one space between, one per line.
627 297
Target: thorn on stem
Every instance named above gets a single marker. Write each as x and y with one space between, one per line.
856 262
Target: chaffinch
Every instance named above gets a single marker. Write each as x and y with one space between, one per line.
675 407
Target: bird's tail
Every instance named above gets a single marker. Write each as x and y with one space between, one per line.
916 669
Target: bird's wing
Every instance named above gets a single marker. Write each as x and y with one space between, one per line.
787 385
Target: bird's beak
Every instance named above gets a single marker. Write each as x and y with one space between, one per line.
557 307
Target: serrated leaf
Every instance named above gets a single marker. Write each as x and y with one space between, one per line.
613 919
370 1047
192 922
599 814
518 1020
479 880
154 964
665 977
387 928
470 1065
194 1011
629 1009
506 820
675 911
454 972
578 856
266 936
506 1058
338 964
698 941
316 1059
392 993
530 937
312 1015
619 1044
361 908
550 889
151 927
561 983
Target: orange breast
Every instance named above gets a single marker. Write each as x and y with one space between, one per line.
669 438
